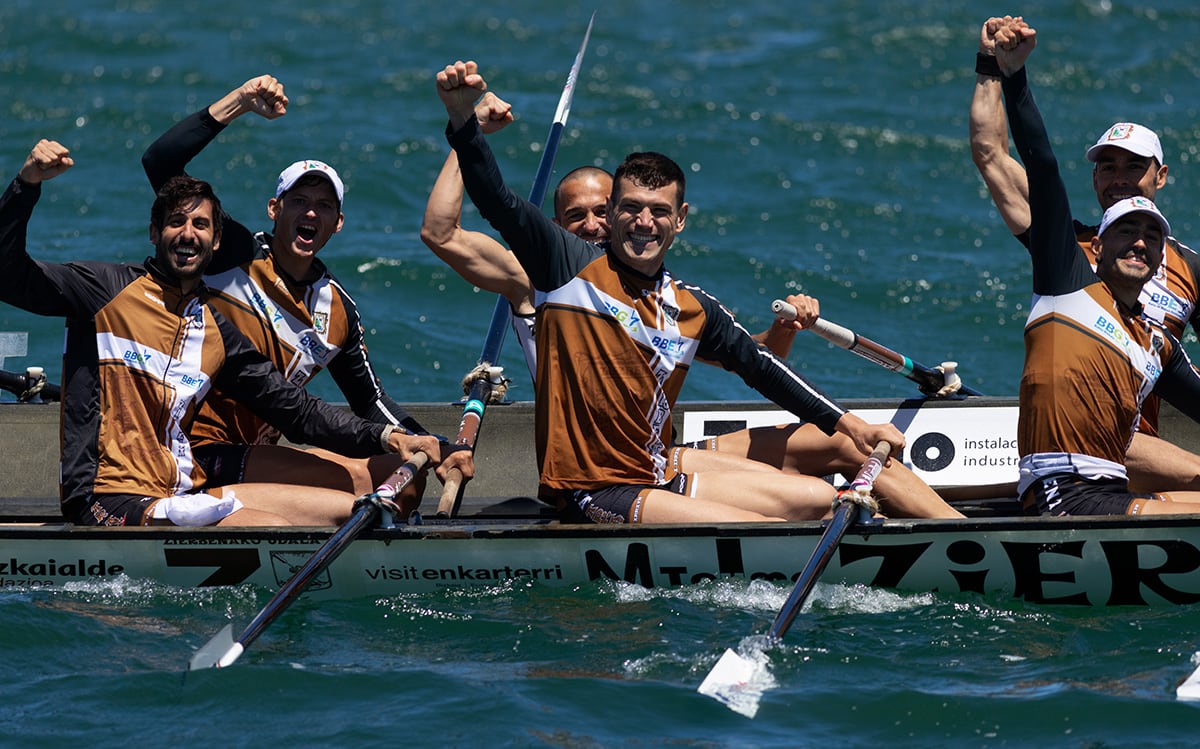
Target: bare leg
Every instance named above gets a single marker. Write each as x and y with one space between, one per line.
248 517
297 505
314 467
733 482
1177 503
805 449
1155 465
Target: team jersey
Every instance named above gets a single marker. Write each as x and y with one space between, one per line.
614 345
1090 361
302 326
140 357
1169 297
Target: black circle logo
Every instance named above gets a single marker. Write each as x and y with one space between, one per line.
932 452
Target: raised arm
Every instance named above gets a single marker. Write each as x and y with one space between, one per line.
477 257
25 282
169 155
1004 176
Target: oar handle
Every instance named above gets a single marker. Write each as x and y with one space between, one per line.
864 480
448 502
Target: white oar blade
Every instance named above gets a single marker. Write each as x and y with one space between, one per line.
216 652
737 682
1190 688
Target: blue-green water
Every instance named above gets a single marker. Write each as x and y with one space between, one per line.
827 151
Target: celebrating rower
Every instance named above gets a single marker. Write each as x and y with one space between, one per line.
1091 356
616 335
1128 161
273 287
580 207
143 349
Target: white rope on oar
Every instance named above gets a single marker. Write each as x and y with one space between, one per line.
36 377
860 496
953 381
494 375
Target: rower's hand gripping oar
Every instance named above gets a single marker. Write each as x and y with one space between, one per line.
486 376
223 650
933 382
734 680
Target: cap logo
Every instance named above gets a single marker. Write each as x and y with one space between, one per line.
1120 132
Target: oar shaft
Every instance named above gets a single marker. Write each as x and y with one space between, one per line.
843 517
364 516
481 390
929 379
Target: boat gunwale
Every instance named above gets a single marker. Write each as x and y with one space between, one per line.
482 528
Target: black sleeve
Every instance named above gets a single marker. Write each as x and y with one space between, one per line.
726 342
250 378
75 290
1179 383
1193 262
352 371
550 255
169 156
1058 265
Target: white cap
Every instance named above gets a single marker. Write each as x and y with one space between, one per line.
288 177
1136 204
1130 136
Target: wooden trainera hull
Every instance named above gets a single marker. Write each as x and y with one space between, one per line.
966 447
1097 562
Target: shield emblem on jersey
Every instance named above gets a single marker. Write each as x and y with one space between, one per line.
671 313
320 321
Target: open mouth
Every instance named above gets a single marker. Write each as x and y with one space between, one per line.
307 232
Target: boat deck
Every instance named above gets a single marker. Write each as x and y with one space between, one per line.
505 483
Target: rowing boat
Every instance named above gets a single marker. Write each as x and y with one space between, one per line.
503 537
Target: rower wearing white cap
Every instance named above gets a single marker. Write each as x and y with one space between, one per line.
276 291
1128 162
1091 357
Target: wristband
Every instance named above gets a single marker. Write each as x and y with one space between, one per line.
383 438
987 65
447 449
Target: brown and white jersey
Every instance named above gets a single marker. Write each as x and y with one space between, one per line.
139 358
1090 362
302 326
614 345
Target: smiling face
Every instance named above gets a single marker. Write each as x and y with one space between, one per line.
1128 254
581 205
185 243
305 217
1120 174
644 222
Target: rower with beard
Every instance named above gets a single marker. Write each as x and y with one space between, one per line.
1091 355
143 349
273 288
